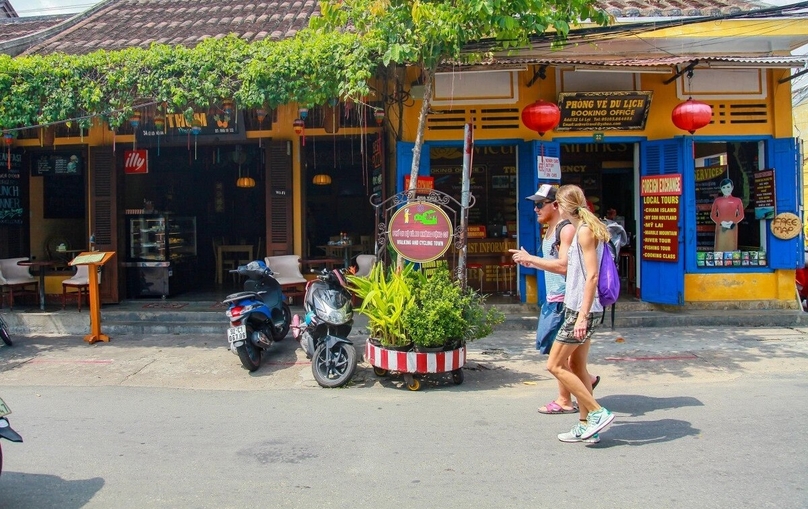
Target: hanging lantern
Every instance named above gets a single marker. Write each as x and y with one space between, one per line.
300 128
303 113
321 179
379 115
245 182
691 115
159 126
8 138
541 116
196 128
159 122
261 113
227 106
134 120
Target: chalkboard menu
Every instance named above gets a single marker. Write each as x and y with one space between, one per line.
13 199
59 163
64 197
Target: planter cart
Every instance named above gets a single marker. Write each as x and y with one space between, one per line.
411 363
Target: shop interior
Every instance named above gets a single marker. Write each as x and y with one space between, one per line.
337 171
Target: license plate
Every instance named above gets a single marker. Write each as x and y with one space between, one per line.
237 333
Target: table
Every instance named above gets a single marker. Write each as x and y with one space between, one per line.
327 262
347 251
40 266
237 248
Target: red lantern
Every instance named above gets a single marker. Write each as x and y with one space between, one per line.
300 127
9 140
379 116
691 115
541 116
159 122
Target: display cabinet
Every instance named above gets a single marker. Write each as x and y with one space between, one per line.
160 254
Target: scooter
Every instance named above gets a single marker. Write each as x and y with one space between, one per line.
258 315
323 331
5 430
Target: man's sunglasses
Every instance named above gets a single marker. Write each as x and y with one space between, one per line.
540 204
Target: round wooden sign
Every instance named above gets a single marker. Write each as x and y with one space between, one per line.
786 226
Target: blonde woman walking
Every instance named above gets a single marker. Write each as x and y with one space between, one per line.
581 308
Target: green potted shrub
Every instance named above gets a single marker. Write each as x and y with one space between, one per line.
443 315
431 312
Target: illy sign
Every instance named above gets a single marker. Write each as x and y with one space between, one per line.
136 161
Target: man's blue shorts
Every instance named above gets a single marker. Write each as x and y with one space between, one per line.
550 319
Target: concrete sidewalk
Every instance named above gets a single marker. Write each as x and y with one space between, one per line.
505 358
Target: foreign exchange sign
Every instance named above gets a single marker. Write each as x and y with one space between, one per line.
603 111
420 232
661 197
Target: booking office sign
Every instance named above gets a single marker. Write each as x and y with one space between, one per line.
420 232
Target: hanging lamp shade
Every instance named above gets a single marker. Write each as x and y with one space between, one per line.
134 120
227 106
298 125
379 116
541 116
321 179
261 113
691 115
159 122
245 182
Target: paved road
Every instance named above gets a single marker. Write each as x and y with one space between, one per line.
706 418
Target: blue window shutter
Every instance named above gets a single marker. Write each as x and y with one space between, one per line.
404 162
782 155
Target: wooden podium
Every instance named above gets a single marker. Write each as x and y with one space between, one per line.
94 259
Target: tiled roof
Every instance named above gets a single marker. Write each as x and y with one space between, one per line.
675 8
117 24
14 28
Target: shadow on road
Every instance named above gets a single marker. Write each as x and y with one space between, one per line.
636 405
645 433
21 491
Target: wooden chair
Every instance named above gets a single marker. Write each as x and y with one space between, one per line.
13 276
80 282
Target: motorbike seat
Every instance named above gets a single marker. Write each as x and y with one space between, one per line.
242 295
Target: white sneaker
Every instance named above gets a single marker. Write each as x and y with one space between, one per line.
596 421
574 435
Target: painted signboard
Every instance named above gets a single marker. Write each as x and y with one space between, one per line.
420 232
603 111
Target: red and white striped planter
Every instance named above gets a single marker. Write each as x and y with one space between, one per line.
414 362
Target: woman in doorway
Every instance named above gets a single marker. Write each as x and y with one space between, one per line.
581 307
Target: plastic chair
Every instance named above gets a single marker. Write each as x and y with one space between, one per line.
81 283
13 276
364 263
287 269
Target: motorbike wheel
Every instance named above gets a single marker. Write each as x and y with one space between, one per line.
278 335
342 367
249 354
4 333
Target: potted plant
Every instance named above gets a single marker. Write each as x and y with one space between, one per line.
443 316
384 297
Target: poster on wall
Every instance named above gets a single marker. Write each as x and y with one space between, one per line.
12 203
59 163
764 194
661 203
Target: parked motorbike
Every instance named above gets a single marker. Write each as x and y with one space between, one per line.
258 315
5 430
323 331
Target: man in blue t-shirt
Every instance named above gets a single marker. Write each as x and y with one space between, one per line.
553 262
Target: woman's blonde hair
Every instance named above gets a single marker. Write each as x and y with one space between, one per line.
571 199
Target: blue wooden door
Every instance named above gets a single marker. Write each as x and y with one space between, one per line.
664 282
528 229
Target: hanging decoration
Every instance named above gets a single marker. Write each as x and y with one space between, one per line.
300 129
134 121
227 106
8 138
261 113
303 113
691 115
196 128
240 157
321 179
541 116
379 115
159 126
